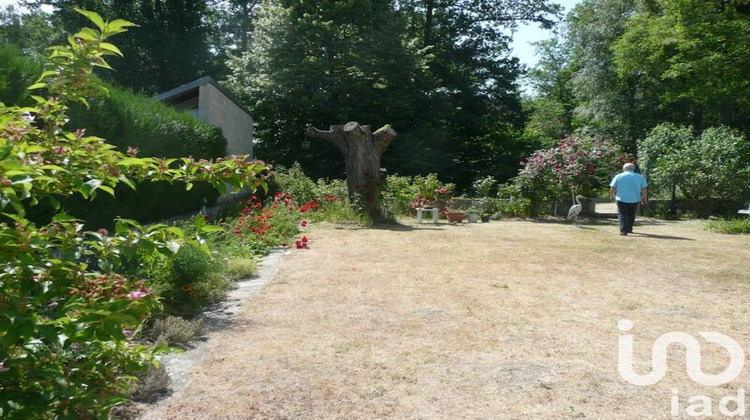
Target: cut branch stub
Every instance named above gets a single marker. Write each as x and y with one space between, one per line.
362 150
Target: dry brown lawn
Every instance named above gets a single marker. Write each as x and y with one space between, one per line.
507 320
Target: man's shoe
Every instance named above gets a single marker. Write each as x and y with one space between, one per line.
623 233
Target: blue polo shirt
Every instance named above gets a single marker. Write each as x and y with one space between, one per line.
628 186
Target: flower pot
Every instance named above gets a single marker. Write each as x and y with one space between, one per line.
473 217
455 217
486 218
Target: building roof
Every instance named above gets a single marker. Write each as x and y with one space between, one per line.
190 90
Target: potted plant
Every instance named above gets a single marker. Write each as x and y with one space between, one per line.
489 207
455 216
472 214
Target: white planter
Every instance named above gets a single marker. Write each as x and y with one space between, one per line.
473 218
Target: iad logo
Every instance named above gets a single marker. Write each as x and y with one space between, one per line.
699 405
692 360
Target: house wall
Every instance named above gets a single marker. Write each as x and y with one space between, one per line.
236 125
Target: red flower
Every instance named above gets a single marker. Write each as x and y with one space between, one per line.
304 239
303 223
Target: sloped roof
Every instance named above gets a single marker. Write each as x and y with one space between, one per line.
190 90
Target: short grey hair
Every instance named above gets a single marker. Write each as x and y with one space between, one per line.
628 167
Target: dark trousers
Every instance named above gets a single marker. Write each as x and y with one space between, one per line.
626 215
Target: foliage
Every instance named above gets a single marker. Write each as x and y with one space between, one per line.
584 165
440 72
697 54
66 314
431 192
30 31
275 223
485 187
712 166
168 49
619 106
732 226
656 154
401 190
146 127
551 110
16 73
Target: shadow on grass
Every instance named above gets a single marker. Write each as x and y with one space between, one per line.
652 236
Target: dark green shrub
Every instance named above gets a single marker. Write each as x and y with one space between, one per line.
16 74
188 282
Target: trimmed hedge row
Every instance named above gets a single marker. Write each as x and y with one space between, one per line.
133 121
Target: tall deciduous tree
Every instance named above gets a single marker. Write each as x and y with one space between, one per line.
318 62
699 54
620 106
167 49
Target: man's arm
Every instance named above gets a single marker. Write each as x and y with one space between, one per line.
644 195
612 193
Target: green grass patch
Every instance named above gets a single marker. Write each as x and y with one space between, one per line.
731 226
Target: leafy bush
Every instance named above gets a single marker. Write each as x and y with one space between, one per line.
189 281
485 187
585 165
402 190
711 167
68 310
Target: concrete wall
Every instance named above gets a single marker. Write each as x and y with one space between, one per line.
237 126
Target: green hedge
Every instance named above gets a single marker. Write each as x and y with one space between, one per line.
128 120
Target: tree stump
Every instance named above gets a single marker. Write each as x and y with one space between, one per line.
362 150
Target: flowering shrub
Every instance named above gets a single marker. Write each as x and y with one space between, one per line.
68 314
432 193
274 223
583 164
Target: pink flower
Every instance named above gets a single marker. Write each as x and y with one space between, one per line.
3 368
52 305
127 332
137 294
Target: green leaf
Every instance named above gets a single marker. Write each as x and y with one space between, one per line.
37 86
111 48
107 189
5 151
93 17
173 246
87 34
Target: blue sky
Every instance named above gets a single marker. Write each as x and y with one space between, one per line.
532 33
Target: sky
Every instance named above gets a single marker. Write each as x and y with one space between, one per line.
526 33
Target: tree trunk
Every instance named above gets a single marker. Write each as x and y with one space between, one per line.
362 150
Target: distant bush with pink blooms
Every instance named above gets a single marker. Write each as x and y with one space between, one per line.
583 164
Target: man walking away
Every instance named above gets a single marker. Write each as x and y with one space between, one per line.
628 188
